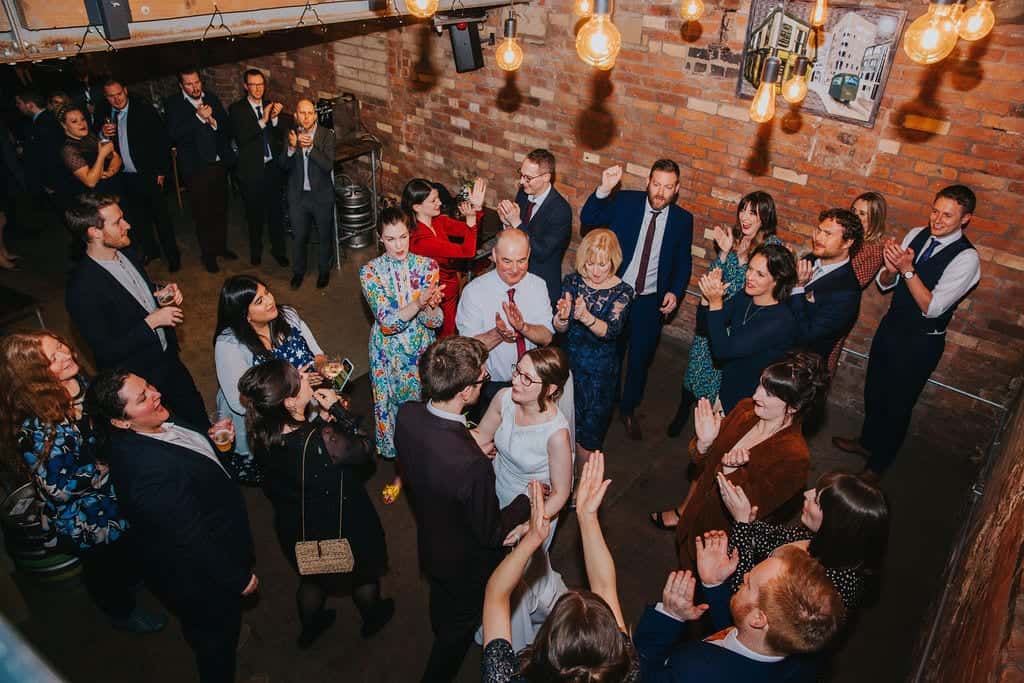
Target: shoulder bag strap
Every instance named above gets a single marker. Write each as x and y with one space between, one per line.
302 486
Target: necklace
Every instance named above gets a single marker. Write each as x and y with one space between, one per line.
748 316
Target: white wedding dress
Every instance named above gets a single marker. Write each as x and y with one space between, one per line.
522 457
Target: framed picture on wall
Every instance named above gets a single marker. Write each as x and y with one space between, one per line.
850 56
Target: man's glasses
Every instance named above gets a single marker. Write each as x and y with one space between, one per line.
483 380
523 377
531 178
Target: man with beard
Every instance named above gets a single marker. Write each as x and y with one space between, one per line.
655 235
826 300
785 610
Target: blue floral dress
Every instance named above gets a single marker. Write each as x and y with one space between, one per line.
703 378
292 349
79 504
396 344
595 360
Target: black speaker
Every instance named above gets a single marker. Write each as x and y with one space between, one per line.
114 15
466 46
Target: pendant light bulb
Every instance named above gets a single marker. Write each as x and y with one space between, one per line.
598 42
691 10
932 36
819 15
763 107
509 54
422 8
794 90
583 8
976 22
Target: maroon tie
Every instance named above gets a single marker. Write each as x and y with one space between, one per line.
529 212
520 341
645 255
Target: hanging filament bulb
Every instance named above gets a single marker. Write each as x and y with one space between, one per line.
583 8
819 15
422 8
691 10
509 54
763 107
933 35
598 42
976 22
794 90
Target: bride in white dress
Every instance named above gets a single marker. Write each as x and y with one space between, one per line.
533 442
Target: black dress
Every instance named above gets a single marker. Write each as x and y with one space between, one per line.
500 664
335 452
78 153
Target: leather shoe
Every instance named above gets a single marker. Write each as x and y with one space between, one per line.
296 281
281 259
850 446
632 427
378 618
210 263
322 280
229 255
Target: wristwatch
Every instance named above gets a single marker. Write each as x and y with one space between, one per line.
909 275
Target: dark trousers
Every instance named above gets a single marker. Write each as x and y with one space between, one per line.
455 608
306 211
637 347
262 193
110 573
211 624
179 393
209 189
145 208
899 366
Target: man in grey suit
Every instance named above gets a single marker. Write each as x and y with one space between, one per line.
309 163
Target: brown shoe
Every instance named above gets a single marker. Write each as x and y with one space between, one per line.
632 427
850 446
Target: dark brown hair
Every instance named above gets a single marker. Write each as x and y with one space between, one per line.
854 523
800 379
761 205
580 642
262 390
450 365
781 266
853 229
803 608
544 159
85 213
552 366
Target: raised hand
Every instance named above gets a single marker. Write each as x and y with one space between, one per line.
580 311
736 501
592 485
677 597
478 193
105 149
723 238
804 270
503 330
707 423
540 523
611 177
737 457
563 308
293 139
711 287
715 564
468 213
514 315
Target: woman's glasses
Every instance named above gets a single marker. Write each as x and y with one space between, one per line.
523 377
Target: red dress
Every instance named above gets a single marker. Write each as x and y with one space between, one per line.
439 247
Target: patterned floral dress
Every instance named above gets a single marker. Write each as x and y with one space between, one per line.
703 378
79 503
396 344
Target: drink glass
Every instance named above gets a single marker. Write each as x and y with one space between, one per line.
164 295
223 430
332 368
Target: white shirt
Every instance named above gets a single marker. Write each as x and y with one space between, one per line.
182 436
121 120
730 642
538 199
257 108
482 299
962 273
650 284
820 271
125 272
444 414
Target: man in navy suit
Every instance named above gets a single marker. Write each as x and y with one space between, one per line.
113 304
826 300
785 610
655 235
542 213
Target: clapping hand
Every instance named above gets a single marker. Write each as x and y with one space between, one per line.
804 271
293 139
891 255
477 194
428 296
508 212
707 423
737 457
677 597
712 287
468 213
305 140
723 238
580 311
563 308
514 315
736 501
274 109
610 178
715 563
503 330
905 264
592 485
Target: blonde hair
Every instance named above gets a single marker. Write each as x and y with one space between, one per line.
876 214
600 240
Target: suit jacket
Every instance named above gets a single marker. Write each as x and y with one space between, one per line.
550 230
663 660
76 91
321 168
112 322
147 136
831 315
41 152
188 517
248 135
623 212
450 483
197 143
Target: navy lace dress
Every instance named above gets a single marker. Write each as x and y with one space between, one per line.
594 360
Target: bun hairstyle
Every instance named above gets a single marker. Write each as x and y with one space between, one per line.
552 367
800 379
262 390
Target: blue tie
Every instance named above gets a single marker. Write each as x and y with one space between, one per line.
928 250
266 136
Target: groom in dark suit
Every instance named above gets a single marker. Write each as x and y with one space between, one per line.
460 529
655 235
827 299
544 215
